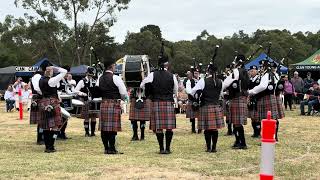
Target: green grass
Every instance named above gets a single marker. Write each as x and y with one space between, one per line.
297 154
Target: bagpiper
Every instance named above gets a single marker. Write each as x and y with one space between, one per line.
278 91
112 90
139 111
237 85
164 86
264 92
210 112
192 111
252 105
226 103
86 91
49 106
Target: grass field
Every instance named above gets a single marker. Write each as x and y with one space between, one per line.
297 154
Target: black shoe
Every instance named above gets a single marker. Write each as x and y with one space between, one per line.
162 151
87 135
114 152
213 151
302 114
243 147
135 138
40 142
93 134
236 146
228 134
208 150
167 151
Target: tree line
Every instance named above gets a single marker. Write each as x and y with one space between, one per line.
42 34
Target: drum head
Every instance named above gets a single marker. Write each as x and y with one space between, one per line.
135 69
65 113
77 102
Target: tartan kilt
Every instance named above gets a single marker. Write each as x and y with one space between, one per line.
110 115
140 114
35 114
85 111
280 108
190 113
265 104
210 117
238 110
163 115
49 122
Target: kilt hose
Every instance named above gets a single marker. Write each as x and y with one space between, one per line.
190 113
85 112
265 104
110 115
280 108
238 110
35 113
210 117
53 121
143 114
163 115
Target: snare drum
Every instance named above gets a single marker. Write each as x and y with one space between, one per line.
135 68
94 105
66 101
65 113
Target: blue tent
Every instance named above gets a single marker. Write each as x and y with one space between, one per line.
255 62
36 66
79 70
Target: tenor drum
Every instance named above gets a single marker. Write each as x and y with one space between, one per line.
135 68
65 113
66 101
78 107
94 106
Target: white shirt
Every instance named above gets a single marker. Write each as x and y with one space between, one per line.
188 85
228 81
35 83
253 79
200 86
149 79
81 85
262 86
72 82
9 95
118 82
26 94
55 81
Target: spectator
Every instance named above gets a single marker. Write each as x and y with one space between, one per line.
18 84
189 76
312 99
9 96
26 96
288 93
308 82
298 85
71 81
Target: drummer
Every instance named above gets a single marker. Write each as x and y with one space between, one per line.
65 88
86 90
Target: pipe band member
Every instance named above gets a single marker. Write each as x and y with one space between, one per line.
86 89
50 106
210 112
252 105
112 90
265 92
192 112
139 111
237 85
164 86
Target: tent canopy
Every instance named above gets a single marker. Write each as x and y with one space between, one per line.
37 65
312 63
79 70
255 62
7 76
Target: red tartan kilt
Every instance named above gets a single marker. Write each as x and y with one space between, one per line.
52 122
238 110
140 114
110 115
85 111
190 113
163 115
210 117
265 104
35 115
280 108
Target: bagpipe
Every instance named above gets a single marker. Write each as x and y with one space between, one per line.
197 101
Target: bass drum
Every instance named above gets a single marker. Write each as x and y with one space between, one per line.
135 68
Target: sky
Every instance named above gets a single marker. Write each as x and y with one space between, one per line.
186 19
